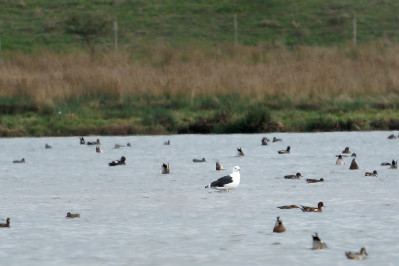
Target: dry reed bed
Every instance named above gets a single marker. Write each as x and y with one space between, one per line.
297 74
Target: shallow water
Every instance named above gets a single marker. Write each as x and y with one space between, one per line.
133 215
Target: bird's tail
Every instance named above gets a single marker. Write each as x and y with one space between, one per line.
208 186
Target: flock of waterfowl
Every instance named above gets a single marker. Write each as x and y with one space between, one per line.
231 181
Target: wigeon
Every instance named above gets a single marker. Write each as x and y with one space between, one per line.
165 168
264 141
7 224
317 242
240 152
353 165
356 255
285 207
82 141
279 227
315 180
47 146
297 176
166 142
340 160
276 139
219 166
374 173
72 215
394 164
392 136
199 160
286 151
98 149
97 142
118 162
346 150
313 209
19 161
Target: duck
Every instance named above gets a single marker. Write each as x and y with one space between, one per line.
374 173
240 152
165 168
97 142
166 142
353 155
286 207
118 162
219 166
297 176
394 164
279 227
199 160
228 182
19 161
315 180
117 146
313 209
276 139
346 150
356 256
340 160
285 151
98 149
317 242
82 141
264 141
392 136
353 165
385 164
47 146
6 224
72 215
129 145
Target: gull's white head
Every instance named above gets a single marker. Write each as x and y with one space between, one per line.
236 169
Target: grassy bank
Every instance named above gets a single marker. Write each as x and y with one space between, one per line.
200 89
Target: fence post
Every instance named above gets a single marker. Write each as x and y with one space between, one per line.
354 29
235 29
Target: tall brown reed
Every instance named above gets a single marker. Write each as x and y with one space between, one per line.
317 73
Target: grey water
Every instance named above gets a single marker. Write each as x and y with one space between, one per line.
134 215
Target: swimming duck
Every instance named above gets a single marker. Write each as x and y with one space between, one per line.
264 141
7 224
97 142
394 164
355 255
353 155
47 146
279 227
219 166
72 215
118 162
297 176
317 242
354 165
374 173
199 160
340 160
165 168
117 146
285 151
276 139
285 207
166 142
98 149
346 150
392 136
19 161
313 209
129 145
240 152
315 180
82 141
384 164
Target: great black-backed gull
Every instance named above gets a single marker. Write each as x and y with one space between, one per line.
227 182
118 162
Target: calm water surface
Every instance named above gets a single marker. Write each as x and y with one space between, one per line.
133 215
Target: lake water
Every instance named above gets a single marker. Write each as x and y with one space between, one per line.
134 215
